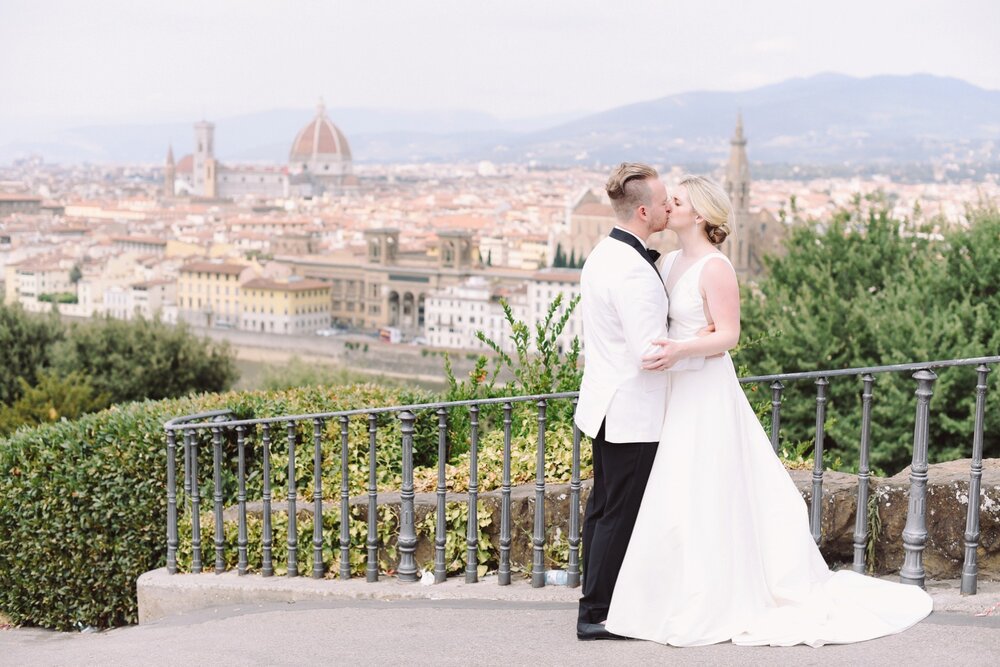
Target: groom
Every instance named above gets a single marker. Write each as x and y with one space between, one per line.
621 406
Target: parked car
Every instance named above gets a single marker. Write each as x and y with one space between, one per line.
328 332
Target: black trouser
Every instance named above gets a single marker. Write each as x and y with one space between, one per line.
620 474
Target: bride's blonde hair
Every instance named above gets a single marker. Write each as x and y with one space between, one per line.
712 203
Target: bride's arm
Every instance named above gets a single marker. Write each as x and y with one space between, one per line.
722 296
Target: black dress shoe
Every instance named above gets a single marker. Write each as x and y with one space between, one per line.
586 632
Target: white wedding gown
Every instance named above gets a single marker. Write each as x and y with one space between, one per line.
721 548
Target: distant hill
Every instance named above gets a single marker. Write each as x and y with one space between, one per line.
823 119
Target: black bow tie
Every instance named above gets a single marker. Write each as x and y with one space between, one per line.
653 254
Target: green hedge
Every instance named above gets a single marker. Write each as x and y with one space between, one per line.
82 514
83 503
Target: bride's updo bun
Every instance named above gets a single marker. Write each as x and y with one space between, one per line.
712 203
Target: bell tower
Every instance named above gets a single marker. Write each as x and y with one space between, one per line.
169 174
204 159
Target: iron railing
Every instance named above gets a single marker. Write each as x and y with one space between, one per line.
219 422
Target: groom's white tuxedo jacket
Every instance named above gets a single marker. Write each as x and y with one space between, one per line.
624 308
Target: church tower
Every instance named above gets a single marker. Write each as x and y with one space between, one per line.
738 170
738 247
169 174
204 159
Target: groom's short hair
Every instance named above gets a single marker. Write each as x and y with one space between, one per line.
628 188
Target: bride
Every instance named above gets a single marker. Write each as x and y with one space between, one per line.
721 548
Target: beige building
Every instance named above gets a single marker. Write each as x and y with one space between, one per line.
384 288
208 292
286 306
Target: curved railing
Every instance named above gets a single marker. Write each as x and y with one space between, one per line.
217 422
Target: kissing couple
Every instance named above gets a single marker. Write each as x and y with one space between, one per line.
694 533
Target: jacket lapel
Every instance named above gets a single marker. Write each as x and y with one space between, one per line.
625 237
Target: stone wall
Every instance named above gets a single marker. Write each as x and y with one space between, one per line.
947 503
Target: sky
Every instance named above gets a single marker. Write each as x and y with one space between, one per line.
66 62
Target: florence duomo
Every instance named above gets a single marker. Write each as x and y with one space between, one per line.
319 162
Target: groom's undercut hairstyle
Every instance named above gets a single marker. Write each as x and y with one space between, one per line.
628 188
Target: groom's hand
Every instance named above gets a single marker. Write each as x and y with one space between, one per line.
671 351
707 330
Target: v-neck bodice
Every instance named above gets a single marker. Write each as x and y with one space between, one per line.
686 316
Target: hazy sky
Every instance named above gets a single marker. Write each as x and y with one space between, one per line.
145 61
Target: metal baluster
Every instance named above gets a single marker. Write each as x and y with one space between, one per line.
861 515
372 565
407 570
970 568
573 565
345 503
816 507
776 388
538 539
440 529
241 499
195 506
915 531
293 530
503 575
220 561
267 567
318 569
472 525
171 502
187 462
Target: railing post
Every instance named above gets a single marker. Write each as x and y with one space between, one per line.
220 561
472 525
861 516
293 529
816 508
915 532
776 388
371 567
538 540
318 569
171 502
573 564
440 529
407 570
503 574
267 566
345 502
241 500
192 447
970 568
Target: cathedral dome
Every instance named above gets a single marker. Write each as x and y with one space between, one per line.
319 141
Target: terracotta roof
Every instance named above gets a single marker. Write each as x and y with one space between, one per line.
186 165
283 286
319 137
212 267
150 240
15 197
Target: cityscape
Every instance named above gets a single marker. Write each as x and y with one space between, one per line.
421 253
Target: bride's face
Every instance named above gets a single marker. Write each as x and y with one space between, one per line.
682 215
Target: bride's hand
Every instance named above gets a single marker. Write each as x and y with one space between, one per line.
671 351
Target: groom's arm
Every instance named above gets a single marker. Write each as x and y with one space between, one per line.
641 307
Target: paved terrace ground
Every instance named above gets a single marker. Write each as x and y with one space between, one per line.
353 622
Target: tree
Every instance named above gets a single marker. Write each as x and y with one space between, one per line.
874 291
559 261
52 399
140 359
572 259
25 346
